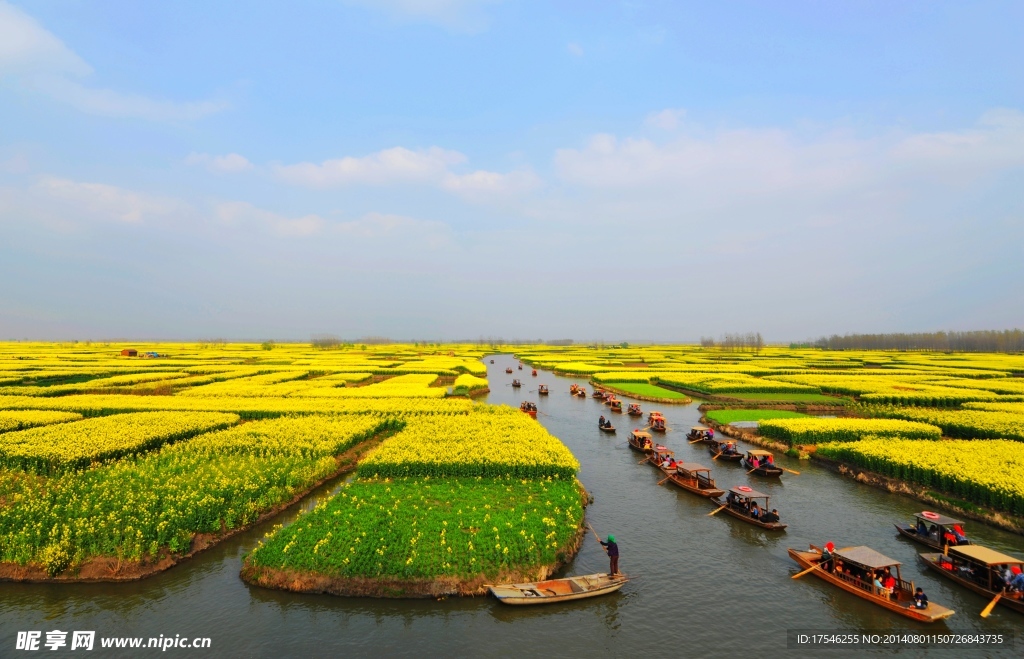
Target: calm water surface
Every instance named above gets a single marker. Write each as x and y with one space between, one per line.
705 586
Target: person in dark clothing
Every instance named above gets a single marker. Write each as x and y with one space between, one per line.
613 555
920 599
769 518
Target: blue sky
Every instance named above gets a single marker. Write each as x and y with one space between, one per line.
456 168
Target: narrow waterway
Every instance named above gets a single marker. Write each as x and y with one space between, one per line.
704 586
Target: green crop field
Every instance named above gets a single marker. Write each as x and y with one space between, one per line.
733 416
650 390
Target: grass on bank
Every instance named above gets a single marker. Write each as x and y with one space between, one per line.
649 390
734 416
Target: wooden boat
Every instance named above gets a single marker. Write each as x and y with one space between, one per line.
662 456
738 504
655 415
559 590
529 407
542 390
520 367
657 422
764 468
701 433
641 441
534 373
615 406
634 410
922 531
598 394
694 478
607 428
977 568
508 370
717 449
516 384
581 392
492 361
865 560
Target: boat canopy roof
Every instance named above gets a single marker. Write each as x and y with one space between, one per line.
866 556
641 434
748 492
699 428
758 452
662 450
936 518
692 466
985 555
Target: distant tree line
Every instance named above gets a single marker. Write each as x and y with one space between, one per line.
751 341
975 341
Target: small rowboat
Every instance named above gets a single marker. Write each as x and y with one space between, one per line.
977 568
598 394
615 406
694 478
542 390
509 371
581 393
763 468
718 449
520 367
634 410
492 361
559 590
534 374
863 561
516 384
641 441
529 407
607 428
701 433
738 504
922 531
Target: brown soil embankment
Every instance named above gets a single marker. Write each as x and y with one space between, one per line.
108 568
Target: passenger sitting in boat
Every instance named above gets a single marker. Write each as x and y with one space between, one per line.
922 528
876 582
600 422
754 462
1004 578
711 433
933 531
949 539
889 582
920 599
1018 580
770 518
731 498
755 511
671 463
958 532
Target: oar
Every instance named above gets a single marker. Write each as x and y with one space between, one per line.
991 605
594 532
753 470
647 459
810 569
715 456
715 512
792 471
664 479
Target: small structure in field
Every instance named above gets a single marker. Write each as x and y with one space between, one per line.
129 352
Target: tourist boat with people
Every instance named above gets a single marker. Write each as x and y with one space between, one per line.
542 390
615 405
761 463
558 590
534 373
934 530
529 407
581 392
520 367
853 569
694 478
725 450
598 394
746 503
656 422
492 361
700 434
508 370
634 410
981 569
661 457
516 384
640 441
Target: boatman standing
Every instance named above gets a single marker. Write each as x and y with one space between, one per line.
613 555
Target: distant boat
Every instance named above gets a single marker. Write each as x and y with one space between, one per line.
559 590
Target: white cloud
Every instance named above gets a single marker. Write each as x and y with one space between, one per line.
406 229
574 49
241 214
43 63
457 15
666 119
485 186
230 163
26 47
388 166
104 201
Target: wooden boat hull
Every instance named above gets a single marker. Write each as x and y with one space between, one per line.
656 429
691 486
581 394
934 612
638 448
607 429
559 590
542 393
770 472
931 560
532 413
635 413
739 514
731 457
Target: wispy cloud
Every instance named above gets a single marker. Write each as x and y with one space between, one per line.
243 215
666 119
574 49
456 15
105 202
43 63
226 164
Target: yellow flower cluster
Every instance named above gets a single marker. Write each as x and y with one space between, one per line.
812 430
19 420
967 424
54 448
